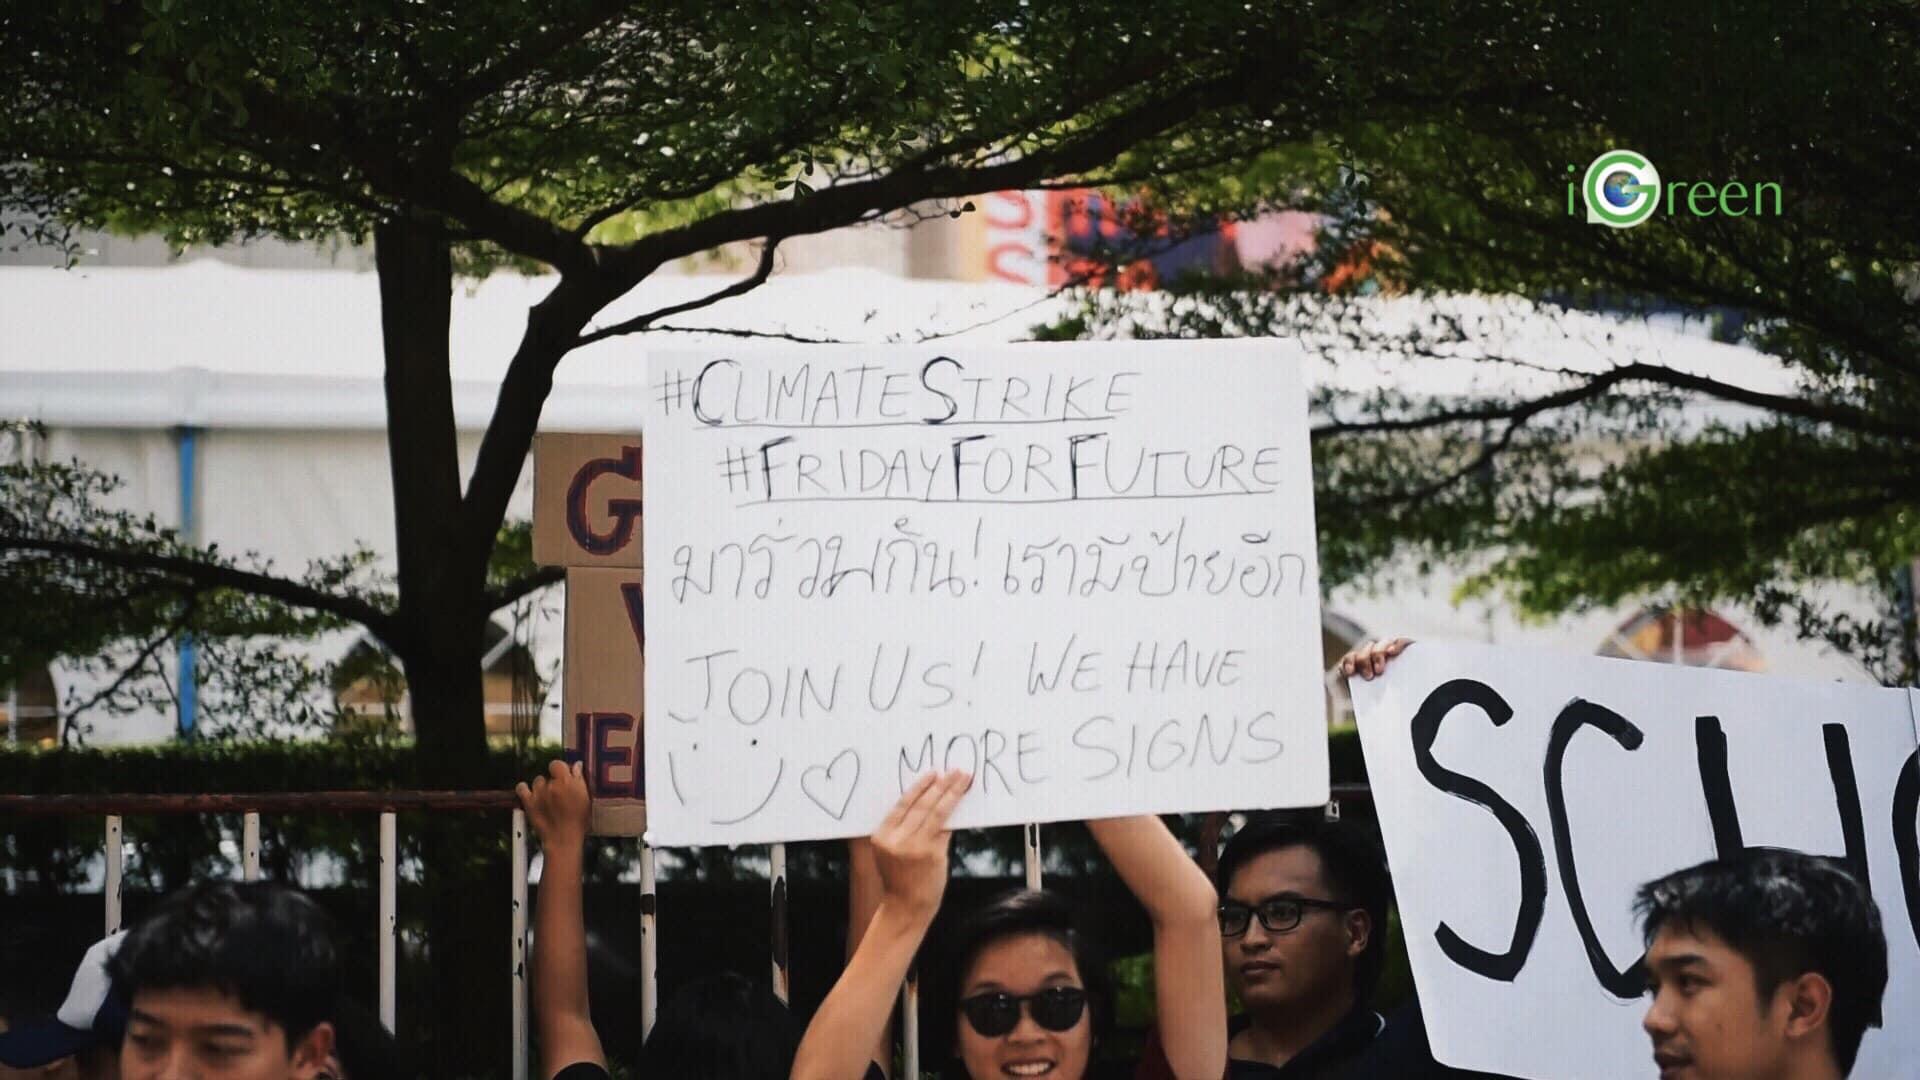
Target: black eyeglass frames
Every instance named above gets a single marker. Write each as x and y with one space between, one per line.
1057 1008
1277 915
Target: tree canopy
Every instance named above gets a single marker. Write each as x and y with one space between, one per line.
1767 480
602 141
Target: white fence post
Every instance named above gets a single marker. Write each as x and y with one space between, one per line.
1033 856
777 885
250 846
910 1025
115 853
649 944
389 914
519 945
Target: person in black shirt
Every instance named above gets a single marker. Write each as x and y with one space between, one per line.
1303 925
719 1027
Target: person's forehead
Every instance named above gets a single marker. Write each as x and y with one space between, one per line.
1295 868
1019 959
1683 944
196 1006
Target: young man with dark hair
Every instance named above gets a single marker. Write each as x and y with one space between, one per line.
1766 966
228 981
1303 926
1303 922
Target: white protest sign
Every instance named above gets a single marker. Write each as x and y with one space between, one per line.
1085 572
1524 797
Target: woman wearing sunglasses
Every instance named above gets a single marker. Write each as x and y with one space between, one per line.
1024 1008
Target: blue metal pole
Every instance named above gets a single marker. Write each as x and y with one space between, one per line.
190 531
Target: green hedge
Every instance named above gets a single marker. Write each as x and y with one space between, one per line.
168 850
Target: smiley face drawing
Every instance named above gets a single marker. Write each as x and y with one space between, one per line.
720 771
707 767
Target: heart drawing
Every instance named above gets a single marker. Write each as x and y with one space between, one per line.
830 786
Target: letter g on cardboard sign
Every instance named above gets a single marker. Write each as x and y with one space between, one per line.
624 512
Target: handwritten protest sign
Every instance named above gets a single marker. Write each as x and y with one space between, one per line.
1084 572
586 518
1524 797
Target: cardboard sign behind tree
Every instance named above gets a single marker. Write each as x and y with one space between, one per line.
586 500
1524 797
601 694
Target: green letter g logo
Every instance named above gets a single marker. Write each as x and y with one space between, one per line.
1622 189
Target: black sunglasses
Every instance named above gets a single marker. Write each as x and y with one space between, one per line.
1277 915
992 1014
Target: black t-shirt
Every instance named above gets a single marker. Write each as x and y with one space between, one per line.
587 1070
1364 1045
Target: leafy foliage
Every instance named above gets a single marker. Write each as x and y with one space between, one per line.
1778 478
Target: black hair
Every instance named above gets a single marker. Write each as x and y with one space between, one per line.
1788 913
1016 913
26 994
366 1049
267 945
1351 862
721 1027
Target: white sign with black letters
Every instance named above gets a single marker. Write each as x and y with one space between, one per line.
1085 572
1525 796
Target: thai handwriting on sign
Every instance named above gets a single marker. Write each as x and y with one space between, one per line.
902 560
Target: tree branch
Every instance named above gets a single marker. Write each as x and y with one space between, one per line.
433 186
1828 413
206 575
768 335
497 598
528 56
643 322
127 673
834 207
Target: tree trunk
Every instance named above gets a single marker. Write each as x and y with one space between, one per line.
442 616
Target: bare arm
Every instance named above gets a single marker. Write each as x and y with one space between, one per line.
559 807
863 900
1190 992
910 855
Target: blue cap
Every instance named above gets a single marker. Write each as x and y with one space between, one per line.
93 1015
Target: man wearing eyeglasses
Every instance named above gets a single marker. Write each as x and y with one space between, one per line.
1303 928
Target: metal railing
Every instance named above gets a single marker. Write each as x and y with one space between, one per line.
388 804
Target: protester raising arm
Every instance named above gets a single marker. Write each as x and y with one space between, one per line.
910 854
863 898
559 808
1190 993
